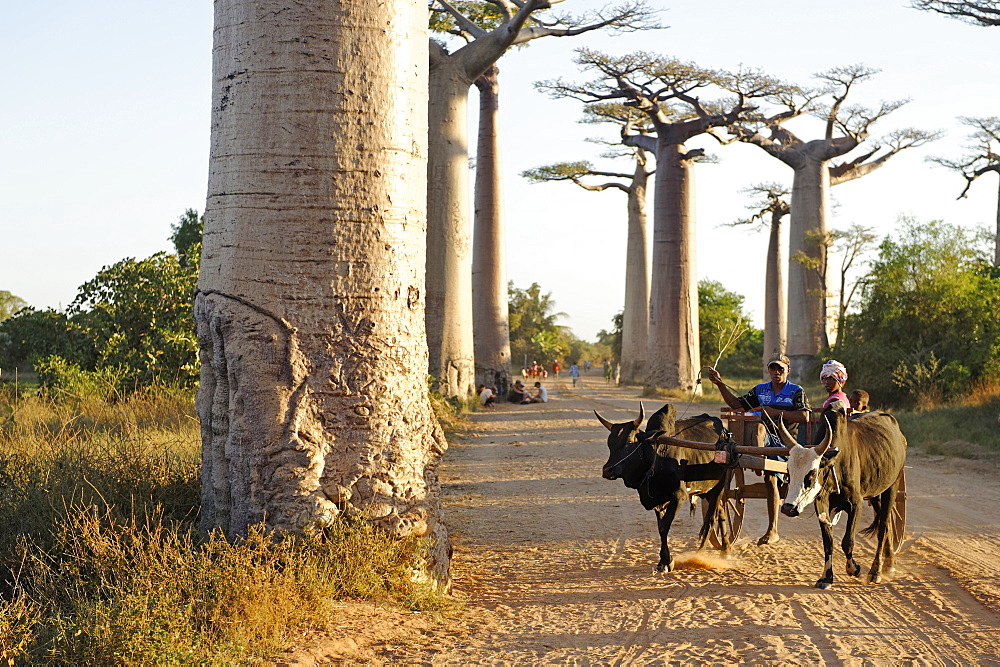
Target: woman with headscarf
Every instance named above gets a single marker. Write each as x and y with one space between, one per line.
833 375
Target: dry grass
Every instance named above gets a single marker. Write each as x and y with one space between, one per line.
965 430
101 560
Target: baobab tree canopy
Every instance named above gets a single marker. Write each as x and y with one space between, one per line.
845 128
669 93
982 157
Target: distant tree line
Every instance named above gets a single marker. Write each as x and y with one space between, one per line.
133 320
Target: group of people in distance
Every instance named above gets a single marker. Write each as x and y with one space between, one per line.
780 398
536 370
518 394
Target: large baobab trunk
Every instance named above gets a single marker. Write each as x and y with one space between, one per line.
635 317
775 305
674 358
491 323
449 256
807 292
309 310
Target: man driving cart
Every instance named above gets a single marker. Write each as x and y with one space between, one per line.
778 398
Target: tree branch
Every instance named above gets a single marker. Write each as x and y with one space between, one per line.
985 12
463 22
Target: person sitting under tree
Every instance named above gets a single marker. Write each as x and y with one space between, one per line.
518 393
539 395
487 398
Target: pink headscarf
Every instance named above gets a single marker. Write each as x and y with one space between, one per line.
834 369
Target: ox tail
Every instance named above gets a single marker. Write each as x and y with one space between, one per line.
870 530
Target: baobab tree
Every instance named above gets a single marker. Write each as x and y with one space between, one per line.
635 315
982 158
667 91
845 129
310 298
770 208
490 317
488 29
983 12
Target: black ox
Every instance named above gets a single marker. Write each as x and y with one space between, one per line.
658 474
858 459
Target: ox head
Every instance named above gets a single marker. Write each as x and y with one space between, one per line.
806 468
623 460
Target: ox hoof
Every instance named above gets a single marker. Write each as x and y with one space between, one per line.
823 585
663 568
768 538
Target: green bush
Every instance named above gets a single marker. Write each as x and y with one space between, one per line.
33 334
64 378
139 316
927 329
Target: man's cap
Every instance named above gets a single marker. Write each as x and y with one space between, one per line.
780 360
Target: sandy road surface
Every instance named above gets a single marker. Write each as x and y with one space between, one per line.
556 564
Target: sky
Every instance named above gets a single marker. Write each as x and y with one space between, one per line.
104 137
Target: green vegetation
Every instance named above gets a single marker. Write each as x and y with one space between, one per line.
968 430
10 304
139 319
134 320
186 237
102 562
535 336
725 332
926 331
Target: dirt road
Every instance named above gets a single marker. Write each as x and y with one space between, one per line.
556 564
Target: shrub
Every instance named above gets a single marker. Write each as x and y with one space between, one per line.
61 377
927 329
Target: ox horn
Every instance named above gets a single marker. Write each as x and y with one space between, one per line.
827 439
786 437
604 421
638 420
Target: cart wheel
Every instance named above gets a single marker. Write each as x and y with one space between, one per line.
733 509
899 513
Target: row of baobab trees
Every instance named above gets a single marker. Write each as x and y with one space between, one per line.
324 247
660 104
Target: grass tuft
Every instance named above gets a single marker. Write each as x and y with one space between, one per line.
101 560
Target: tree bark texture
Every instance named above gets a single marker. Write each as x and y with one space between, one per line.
310 305
491 322
449 257
807 294
635 316
775 304
673 358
